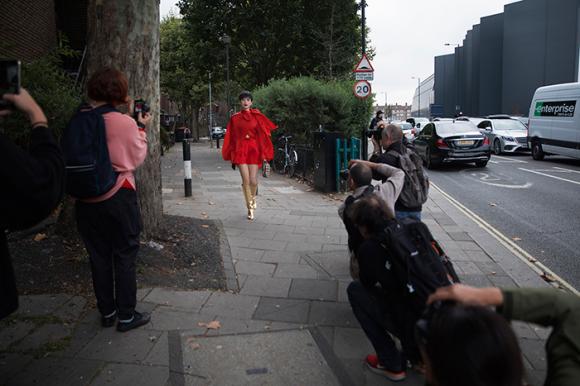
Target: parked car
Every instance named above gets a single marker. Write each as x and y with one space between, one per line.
418 122
505 134
476 121
217 132
524 120
408 129
452 142
554 125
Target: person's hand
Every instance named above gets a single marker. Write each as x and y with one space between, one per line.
464 294
360 161
25 103
144 118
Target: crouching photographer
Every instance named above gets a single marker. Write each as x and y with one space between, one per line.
377 299
102 181
359 178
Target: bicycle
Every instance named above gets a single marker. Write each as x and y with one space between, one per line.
285 158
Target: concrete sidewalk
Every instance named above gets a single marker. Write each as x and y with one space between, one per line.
285 318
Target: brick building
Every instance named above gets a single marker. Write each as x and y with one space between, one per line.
398 112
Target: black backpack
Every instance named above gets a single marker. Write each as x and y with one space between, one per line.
89 172
417 261
354 237
416 187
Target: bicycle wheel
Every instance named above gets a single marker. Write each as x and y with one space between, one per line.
279 161
292 163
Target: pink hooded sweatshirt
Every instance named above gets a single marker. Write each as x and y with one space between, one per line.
127 150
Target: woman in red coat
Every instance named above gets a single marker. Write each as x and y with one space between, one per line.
247 144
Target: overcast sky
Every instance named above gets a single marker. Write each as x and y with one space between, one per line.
407 35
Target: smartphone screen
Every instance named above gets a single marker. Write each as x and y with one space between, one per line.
9 77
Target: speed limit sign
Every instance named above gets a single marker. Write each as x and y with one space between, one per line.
362 89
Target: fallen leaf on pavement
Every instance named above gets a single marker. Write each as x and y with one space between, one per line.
548 277
492 204
205 226
532 260
213 325
192 343
516 238
39 237
211 202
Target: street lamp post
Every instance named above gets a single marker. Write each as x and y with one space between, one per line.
210 118
418 95
227 40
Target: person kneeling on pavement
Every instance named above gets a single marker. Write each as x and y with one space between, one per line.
377 300
360 176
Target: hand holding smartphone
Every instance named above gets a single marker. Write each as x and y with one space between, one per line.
9 81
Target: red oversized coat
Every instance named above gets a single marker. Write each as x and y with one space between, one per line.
248 138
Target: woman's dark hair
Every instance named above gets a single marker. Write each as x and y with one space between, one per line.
108 85
245 94
471 345
378 113
369 213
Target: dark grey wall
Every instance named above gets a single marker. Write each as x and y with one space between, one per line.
490 59
508 56
445 85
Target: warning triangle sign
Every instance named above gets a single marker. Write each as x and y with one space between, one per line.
364 65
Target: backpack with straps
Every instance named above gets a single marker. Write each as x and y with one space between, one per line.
417 261
89 172
416 187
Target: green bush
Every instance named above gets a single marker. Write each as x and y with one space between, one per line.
301 105
53 90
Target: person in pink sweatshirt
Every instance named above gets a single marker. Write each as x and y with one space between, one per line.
110 224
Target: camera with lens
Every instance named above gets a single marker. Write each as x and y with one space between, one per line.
344 174
377 132
140 106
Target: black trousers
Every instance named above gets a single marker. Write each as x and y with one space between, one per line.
379 316
110 231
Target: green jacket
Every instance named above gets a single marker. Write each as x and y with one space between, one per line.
551 308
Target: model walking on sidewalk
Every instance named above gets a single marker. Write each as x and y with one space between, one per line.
247 145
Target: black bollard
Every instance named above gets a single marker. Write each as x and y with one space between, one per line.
218 142
187 167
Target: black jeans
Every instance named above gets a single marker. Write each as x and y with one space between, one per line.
110 231
377 315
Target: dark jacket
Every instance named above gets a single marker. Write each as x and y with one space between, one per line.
551 308
32 186
390 159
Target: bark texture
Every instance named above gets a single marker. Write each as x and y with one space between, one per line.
125 34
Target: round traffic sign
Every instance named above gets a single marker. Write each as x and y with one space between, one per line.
362 89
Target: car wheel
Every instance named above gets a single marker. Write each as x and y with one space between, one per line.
537 151
497 147
481 164
429 162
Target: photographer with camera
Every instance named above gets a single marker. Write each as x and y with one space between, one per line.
359 178
108 215
32 184
379 116
397 154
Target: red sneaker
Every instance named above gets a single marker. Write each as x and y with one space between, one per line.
372 362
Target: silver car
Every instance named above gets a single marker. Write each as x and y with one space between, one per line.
408 130
506 135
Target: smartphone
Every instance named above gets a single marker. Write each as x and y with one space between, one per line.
9 79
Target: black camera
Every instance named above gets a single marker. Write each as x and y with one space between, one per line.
140 106
344 174
9 80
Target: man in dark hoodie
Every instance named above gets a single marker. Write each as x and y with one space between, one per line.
32 186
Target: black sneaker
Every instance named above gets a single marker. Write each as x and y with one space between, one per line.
108 321
139 319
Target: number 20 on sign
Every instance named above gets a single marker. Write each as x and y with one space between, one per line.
362 89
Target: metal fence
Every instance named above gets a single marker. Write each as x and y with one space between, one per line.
305 167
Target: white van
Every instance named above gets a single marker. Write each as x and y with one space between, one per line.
554 126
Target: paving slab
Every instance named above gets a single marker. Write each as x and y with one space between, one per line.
254 268
72 309
314 289
282 310
40 305
110 345
167 318
45 334
253 359
295 271
266 286
57 372
128 374
332 314
191 300
11 364
227 304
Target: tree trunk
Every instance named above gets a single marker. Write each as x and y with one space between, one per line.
125 34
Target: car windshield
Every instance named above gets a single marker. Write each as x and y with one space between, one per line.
450 128
405 125
508 124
